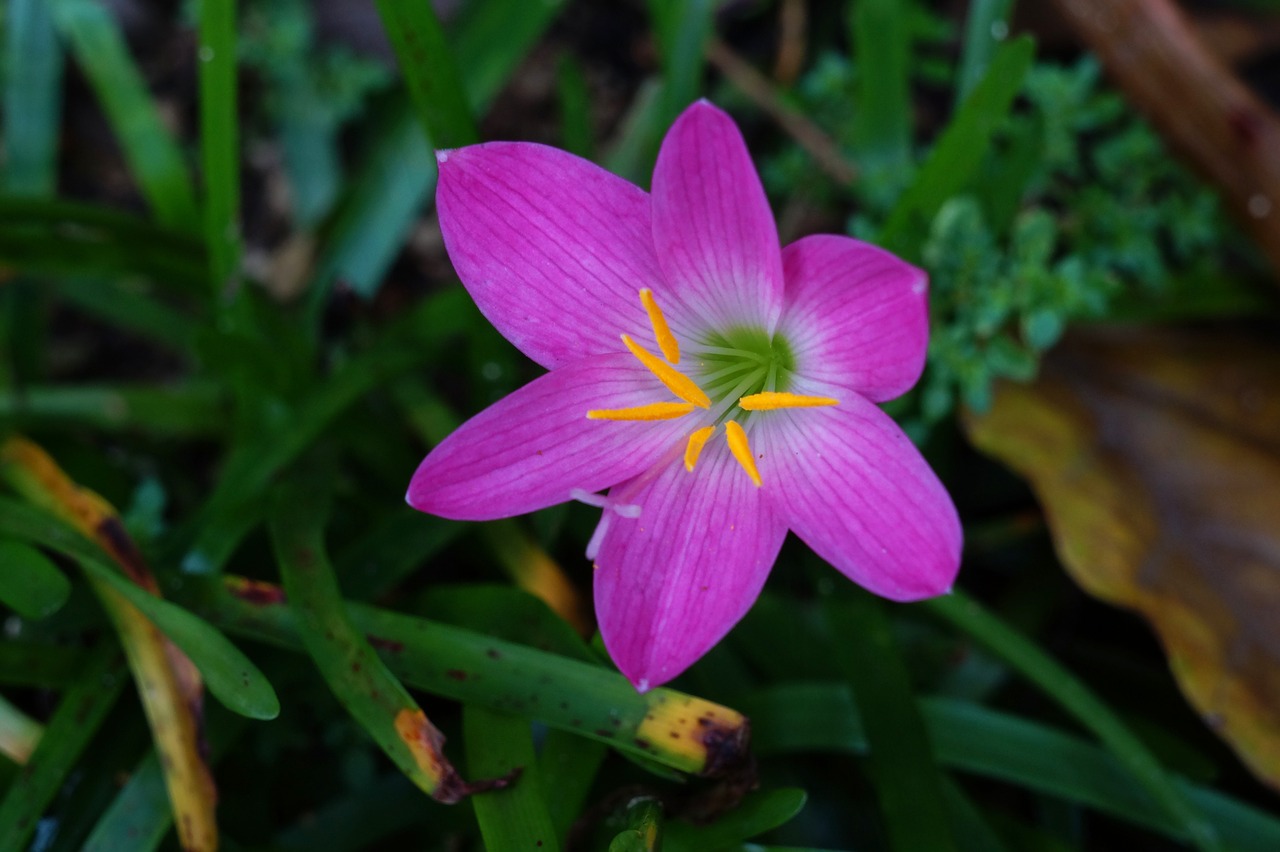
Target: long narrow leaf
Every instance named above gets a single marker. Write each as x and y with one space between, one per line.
32 99
427 63
366 687
514 818
677 730
220 140
901 763
1078 700
154 157
959 151
80 713
882 48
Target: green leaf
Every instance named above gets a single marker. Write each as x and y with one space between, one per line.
32 99
80 713
985 28
230 676
960 149
188 411
644 827
398 177
514 818
153 155
568 764
901 764
368 690
29 583
758 812
220 141
663 725
427 63
820 717
62 237
882 48
576 134
1078 700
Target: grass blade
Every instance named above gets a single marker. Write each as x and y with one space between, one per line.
1077 699
958 153
514 818
882 48
901 763
152 153
677 730
984 29
32 99
190 411
368 690
220 141
427 63
30 584
79 715
230 676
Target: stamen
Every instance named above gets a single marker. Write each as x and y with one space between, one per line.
661 331
741 450
770 400
677 382
694 448
652 411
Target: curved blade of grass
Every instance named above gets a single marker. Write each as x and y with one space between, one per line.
188 411
677 730
1077 699
400 172
220 141
984 28
19 733
32 99
131 307
368 690
67 237
229 674
79 715
960 149
427 63
169 684
568 765
901 764
154 157
514 818
576 134
30 584
881 37
821 717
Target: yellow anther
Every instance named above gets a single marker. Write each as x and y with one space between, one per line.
694 448
769 400
742 450
661 331
652 411
677 382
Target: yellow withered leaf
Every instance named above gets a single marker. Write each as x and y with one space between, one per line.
1156 456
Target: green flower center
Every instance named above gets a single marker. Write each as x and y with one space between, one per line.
742 361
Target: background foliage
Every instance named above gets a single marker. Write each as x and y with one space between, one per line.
230 331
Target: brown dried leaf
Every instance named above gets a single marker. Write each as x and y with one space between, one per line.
1156 456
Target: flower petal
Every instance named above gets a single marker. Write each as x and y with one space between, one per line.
672 582
855 489
532 448
712 226
855 316
553 249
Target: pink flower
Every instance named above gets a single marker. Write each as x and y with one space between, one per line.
722 389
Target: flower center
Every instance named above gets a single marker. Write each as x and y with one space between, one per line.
742 367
